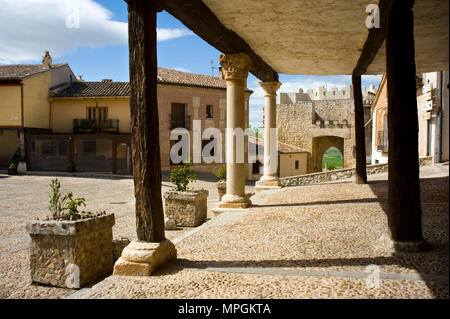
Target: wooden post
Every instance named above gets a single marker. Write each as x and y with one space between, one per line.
360 136
404 204
144 120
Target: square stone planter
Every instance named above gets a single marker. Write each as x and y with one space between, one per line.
186 209
221 188
71 254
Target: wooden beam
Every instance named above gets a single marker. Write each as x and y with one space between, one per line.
195 15
374 40
144 120
404 203
360 136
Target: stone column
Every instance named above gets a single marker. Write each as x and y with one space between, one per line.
235 70
270 178
404 204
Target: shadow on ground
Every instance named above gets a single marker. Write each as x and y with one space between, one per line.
435 198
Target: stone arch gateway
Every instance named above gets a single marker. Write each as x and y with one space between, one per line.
320 144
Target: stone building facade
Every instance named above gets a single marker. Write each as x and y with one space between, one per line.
61 121
433 112
320 119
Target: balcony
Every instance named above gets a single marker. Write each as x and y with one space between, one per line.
179 122
91 126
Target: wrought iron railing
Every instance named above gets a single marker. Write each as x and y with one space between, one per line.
91 126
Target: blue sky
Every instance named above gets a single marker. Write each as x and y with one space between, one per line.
97 47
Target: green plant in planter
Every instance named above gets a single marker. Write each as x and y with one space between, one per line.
222 173
70 167
181 176
65 207
12 166
17 157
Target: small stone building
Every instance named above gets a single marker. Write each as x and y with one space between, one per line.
292 160
320 119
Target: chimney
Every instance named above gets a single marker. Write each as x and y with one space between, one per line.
80 78
221 73
47 60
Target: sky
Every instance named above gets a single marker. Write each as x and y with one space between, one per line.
92 36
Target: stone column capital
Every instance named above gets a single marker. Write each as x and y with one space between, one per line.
235 66
270 87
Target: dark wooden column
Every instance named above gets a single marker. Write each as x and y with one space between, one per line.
144 120
360 136
404 205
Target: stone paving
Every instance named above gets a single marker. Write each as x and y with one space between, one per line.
25 197
299 242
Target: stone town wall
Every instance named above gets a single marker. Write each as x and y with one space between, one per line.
59 249
299 123
333 175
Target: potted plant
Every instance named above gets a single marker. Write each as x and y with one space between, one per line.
12 169
222 183
70 167
183 206
70 248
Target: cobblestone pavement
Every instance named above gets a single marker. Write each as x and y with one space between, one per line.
300 242
25 197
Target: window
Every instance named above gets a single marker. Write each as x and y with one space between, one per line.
97 113
297 164
209 111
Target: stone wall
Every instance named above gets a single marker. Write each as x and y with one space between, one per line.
71 254
187 209
333 175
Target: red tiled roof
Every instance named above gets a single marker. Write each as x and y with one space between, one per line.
92 89
165 76
19 71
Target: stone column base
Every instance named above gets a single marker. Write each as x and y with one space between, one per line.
411 246
142 258
267 184
218 210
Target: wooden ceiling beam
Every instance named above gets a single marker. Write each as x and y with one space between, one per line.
374 40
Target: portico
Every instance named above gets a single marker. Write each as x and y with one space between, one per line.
320 38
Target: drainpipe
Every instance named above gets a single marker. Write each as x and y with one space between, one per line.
438 141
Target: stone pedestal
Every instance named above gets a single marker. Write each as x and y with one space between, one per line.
411 246
188 209
71 254
235 70
143 258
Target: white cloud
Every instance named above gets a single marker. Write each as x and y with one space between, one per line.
30 27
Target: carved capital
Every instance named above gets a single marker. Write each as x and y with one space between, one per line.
270 87
235 66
